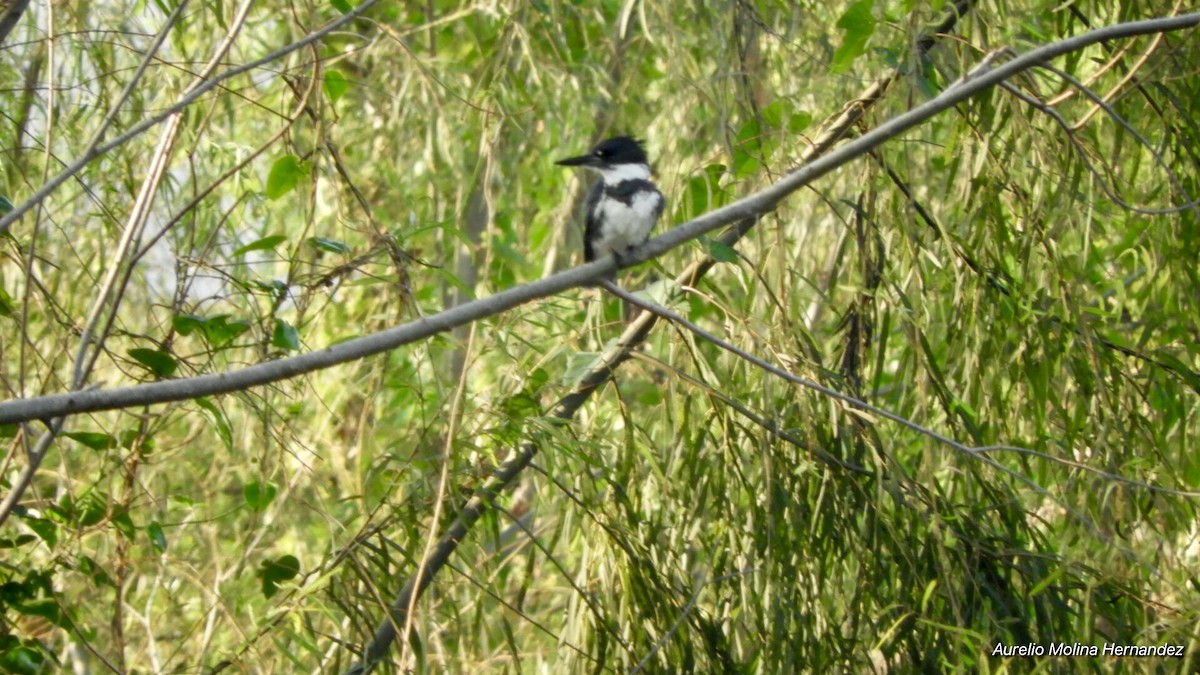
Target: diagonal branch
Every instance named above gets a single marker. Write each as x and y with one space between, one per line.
980 79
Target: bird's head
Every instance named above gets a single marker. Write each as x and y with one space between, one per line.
616 158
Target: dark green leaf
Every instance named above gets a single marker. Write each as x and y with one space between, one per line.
92 439
259 495
220 330
91 510
46 608
722 252
45 529
185 324
273 572
342 6
331 245
285 336
17 541
124 523
155 531
5 205
159 362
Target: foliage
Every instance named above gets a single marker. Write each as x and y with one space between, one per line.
999 275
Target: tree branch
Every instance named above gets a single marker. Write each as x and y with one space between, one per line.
980 79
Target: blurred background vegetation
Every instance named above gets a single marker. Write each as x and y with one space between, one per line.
999 274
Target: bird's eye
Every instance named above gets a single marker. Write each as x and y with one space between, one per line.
600 153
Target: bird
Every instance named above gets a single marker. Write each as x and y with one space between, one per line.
623 206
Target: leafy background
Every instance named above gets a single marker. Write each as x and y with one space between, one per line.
995 275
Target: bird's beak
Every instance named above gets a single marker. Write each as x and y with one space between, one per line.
582 160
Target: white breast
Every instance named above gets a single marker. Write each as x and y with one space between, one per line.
626 226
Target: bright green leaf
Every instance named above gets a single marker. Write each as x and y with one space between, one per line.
285 175
264 244
342 6
7 306
857 24
335 85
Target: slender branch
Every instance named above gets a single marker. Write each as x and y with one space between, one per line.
752 206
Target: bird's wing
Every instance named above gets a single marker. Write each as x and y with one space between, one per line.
591 230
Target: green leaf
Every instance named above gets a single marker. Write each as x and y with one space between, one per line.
273 572
159 362
220 331
92 439
91 510
17 541
331 245
259 495
857 24
45 529
95 571
7 306
799 121
285 336
124 523
5 205
285 175
23 657
185 324
222 422
46 608
131 436
342 6
722 252
335 85
264 244
155 531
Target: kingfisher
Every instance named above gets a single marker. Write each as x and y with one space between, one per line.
624 204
